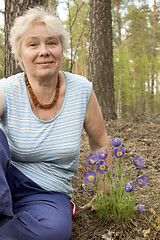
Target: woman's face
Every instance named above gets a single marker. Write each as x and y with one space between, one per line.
41 52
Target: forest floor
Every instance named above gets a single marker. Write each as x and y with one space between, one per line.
139 137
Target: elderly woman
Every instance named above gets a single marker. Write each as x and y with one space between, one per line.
43 111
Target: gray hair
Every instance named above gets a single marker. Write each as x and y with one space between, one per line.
33 16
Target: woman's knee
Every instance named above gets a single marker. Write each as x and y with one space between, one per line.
61 231
4 152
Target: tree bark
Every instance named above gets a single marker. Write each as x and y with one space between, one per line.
118 21
12 10
52 5
101 56
154 58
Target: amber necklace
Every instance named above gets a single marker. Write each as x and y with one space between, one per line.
34 98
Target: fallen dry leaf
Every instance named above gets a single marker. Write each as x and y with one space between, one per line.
133 222
104 236
109 235
146 232
152 210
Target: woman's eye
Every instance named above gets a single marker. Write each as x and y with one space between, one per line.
52 43
32 44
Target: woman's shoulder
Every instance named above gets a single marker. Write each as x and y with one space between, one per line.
76 79
12 80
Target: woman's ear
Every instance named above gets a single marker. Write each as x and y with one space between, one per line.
20 62
19 58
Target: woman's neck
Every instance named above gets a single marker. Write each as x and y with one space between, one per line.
43 84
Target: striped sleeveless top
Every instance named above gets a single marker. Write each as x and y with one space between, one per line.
45 151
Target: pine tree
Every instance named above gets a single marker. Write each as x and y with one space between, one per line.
101 56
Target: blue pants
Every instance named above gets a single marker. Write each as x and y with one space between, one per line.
28 212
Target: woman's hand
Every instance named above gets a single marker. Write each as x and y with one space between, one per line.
89 205
101 188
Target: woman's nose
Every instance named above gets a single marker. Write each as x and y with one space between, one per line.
44 51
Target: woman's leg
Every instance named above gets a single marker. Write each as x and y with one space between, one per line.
36 214
5 193
40 220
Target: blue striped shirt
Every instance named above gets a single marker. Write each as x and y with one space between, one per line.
45 151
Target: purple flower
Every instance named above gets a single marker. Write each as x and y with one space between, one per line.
119 152
102 154
141 208
91 159
116 142
137 161
141 181
101 167
90 177
129 187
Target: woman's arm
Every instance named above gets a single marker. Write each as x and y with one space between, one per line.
95 128
1 104
98 139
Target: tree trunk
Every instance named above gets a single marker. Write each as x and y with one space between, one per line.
154 58
12 10
52 5
84 57
118 21
75 66
101 56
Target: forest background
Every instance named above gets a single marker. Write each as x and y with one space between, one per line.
136 51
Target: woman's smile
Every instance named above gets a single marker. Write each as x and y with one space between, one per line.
45 64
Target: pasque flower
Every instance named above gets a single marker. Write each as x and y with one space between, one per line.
116 142
101 167
102 154
121 188
137 161
129 187
90 177
119 152
91 159
141 208
141 180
